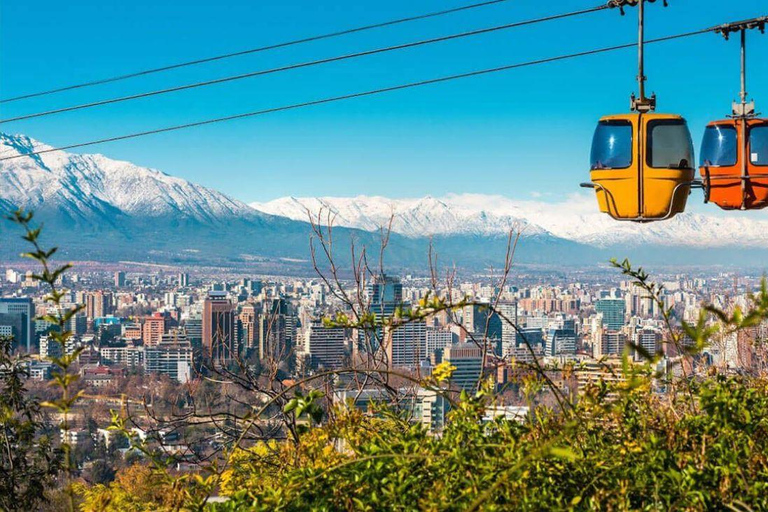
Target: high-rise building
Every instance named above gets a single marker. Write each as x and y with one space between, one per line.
613 311
17 320
250 329
529 337
172 357
193 326
132 331
119 279
183 280
78 324
98 304
649 339
384 294
509 326
438 339
406 344
478 318
561 342
277 331
326 346
52 348
220 332
467 358
152 329
612 343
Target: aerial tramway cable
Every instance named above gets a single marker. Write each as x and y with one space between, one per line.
309 63
260 49
358 94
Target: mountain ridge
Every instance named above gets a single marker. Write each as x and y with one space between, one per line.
96 208
492 215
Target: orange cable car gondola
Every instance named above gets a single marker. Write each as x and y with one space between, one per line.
642 164
734 152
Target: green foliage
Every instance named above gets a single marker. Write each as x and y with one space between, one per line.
701 444
306 407
635 452
63 377
28 461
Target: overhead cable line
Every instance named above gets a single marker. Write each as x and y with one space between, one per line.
358 94
253 50
328 60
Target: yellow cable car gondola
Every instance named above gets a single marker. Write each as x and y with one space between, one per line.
642 164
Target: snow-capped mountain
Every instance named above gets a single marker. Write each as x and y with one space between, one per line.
97 208
93 185
576 219
410 217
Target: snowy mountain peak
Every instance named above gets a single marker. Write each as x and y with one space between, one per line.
576 219
94 186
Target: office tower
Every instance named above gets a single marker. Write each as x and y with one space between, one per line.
78 324
477 318
438 339
406 344
326 346
384 294
170 299
431 409
193 326
152 329
509 325
649 340
183 280
172 357
613 313
119 279
561 342
613 343
250 329
277 332
467 358
98 304
16 319
532 337
219 336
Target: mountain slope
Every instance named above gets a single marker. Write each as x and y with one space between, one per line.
576 220
102 209
95 186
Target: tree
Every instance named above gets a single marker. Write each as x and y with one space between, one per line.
29 463
100 472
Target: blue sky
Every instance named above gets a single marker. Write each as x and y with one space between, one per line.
520 133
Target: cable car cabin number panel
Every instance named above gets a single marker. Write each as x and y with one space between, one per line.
723 148
642 166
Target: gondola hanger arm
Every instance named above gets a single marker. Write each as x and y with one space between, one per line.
620 4
726 29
